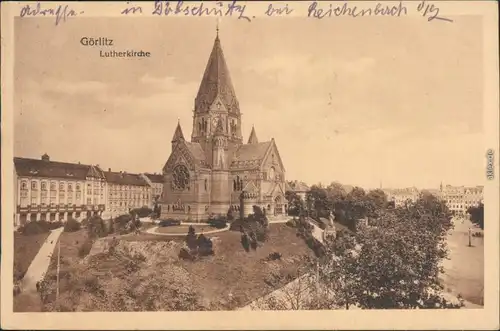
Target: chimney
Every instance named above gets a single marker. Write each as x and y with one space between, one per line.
45 157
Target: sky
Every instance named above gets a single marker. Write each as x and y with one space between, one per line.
361 102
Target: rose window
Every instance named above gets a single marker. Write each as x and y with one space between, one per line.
180 177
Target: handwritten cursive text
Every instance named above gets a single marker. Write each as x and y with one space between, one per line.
61 12
346 9
166 8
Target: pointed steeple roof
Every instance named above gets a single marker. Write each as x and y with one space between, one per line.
216 82
178 135
253 137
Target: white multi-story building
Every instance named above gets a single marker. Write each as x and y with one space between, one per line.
401 195
53 191
156 182
460 198
126 191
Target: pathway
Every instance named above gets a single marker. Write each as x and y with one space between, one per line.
40 263
153 230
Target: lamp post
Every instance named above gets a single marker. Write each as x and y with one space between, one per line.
58 267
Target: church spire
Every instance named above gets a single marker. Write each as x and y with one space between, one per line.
216 82
253 137
178 135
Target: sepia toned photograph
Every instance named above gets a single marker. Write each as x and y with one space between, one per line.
166 164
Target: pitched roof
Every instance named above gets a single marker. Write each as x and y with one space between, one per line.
51 169
123 178
196 150
250 155
216 82
253 137
298 186
178 133
155 178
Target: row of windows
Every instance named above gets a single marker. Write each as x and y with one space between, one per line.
127 187
129 195
52 202
128 203
62 186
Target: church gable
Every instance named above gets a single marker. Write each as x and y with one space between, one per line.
182 154
272 158
218 105
276 190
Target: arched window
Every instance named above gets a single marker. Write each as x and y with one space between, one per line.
44 186
33 185
24 185
271 174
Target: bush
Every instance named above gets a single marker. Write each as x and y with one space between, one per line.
185 254
219 223
54 225
205 246
169 222
96 227
230 214
84 250
191 238
274 256
245 242
37 227
126 223
141 212
238 225
72 225
32 228
291 223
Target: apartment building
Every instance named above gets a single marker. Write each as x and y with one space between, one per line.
54 191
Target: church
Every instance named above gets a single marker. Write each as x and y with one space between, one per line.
216 171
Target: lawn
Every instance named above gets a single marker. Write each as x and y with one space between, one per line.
233 270
70 245
464 271
25 250
183 229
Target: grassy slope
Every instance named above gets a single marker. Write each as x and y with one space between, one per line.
25 250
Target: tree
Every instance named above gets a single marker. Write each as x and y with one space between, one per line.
230 214
296 289
295 203
394 264
96 227
72 225
317 201
477 215
376 201
335 192
191 238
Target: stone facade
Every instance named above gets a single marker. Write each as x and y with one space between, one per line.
55 191
216 171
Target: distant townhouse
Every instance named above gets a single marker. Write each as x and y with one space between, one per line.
156 182
402 195
48 190
460 198
300 188
126 191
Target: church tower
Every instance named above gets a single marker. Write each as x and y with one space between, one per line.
216 109
178 135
